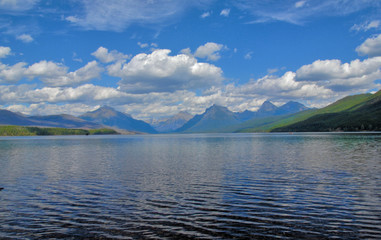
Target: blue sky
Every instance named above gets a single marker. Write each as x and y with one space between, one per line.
154 58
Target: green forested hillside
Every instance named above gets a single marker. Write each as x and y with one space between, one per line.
349 103
36 131
363 116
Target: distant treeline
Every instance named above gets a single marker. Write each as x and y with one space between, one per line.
37 131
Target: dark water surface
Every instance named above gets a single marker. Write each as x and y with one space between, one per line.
219 186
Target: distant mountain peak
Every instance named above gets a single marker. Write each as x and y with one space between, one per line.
105 107
267 106
110 117
173 123
217 107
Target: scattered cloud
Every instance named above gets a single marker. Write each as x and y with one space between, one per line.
160 72
371 46
17 5
300 4
210 51
4 51
300 12
143 45
26 38
375 24
272 70
248 55
225 12
205 14
103 55
76 58
117 15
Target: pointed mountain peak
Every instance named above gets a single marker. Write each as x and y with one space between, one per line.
291 107
216 107
105 107
102 112
267 106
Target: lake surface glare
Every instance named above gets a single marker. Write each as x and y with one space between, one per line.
191 186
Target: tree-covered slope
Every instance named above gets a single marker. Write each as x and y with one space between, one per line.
37 131
365 115
344 104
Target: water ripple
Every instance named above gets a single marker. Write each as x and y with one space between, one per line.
248 187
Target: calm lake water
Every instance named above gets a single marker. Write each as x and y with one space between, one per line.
211 186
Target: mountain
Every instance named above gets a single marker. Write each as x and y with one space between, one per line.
11 118
214 119
364 115
61 121
276 123
291 107
221 119
173 123
112 118
269 109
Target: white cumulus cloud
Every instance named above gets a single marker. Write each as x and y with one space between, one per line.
371 47
284 87
4 51
210 51
340 76
106 56
12 74
160 72
50 73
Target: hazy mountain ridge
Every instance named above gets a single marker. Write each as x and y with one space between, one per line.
214 119
221 119
172 123
351 113
269 109
110 117
63 120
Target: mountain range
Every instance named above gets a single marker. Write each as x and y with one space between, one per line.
173 123
108 116
221 119
352 113
63 121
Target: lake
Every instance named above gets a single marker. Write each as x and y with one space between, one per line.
192 186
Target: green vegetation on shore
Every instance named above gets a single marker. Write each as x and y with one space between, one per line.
37 131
